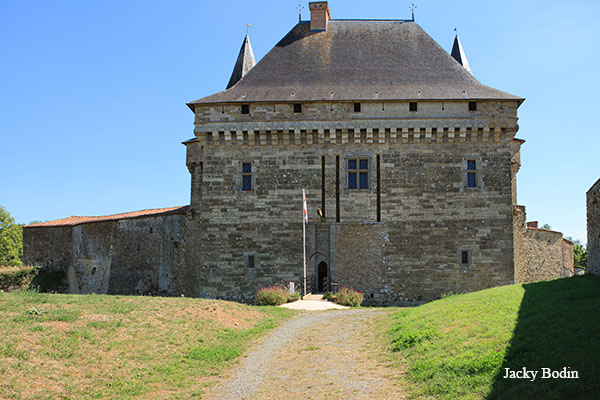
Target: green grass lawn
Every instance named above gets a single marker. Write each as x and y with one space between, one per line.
459 347
56 346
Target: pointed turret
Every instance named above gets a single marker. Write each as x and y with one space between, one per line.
244 63
459 54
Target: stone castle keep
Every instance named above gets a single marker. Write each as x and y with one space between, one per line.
410 159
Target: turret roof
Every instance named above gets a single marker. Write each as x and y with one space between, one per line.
244 63
459 54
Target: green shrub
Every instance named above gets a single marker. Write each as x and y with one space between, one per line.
272 296
293 297
349 297
17 277
328 296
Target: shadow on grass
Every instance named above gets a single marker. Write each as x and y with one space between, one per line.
558 327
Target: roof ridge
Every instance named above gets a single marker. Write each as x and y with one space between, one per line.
78 219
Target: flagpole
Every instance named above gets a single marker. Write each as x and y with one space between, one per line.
304 215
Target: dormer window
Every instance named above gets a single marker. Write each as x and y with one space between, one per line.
297 108
472 106
412 106
357 107
245 108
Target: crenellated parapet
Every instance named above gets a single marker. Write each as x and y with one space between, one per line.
345 133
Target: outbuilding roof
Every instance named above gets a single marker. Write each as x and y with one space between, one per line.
356 60
75 220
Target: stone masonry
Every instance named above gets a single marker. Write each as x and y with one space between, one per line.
540 254
413 166
593 229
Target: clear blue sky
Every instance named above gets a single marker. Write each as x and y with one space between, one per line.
93 93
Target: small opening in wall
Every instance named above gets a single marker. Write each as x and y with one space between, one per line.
465 257
245 108
412 106
93 271
150 229
356 107
250 262
297 108
472 106
372 295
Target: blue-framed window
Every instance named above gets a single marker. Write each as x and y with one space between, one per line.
471 173
247 177
358 173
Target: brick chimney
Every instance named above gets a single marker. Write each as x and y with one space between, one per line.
533 224
319 15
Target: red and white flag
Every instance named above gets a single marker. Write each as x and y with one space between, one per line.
305 208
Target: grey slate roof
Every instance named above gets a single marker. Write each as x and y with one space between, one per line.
244 63
459 54
356 60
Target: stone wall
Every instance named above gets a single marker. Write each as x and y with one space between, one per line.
593 228
540 254
416 233
128 256
428 215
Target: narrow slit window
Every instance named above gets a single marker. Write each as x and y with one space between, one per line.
471 173
472 106
464 256
247 177
250 260
245 108
357 107
297 108
412 106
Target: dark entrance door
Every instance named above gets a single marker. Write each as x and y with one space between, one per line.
322 281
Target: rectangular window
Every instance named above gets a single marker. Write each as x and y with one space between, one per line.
245 108
412 106
471 173
357 107
358 173
250 260
472 106
465 256
297 108
246 177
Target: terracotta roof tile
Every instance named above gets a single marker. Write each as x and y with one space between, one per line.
76 220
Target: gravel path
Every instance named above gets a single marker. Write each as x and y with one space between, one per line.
316 355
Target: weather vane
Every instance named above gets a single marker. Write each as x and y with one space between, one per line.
300 11
412 8
248 29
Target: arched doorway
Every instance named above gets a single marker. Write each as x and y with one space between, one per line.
322 275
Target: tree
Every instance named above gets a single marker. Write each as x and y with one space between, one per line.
579 254
11 240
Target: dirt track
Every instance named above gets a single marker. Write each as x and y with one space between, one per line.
316 355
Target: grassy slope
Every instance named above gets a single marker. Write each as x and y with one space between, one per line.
12 278
67 346
459 347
